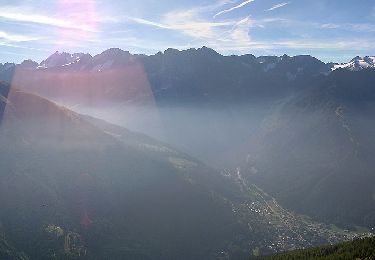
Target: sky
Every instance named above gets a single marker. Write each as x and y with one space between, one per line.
331 30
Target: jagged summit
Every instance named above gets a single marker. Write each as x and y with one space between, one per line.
29 64
117 58
202 50
357 63
61 59
113 52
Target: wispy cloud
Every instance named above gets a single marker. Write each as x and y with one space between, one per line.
240 32
12 53
186 22
191 24
353 27
7 44
226 35
353 44
194 23
234 8
296 45
148 22
329 26
277 6
16 37
28 17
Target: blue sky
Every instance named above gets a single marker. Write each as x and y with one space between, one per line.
332 30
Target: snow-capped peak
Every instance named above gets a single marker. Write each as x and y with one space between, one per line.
60 59
357 63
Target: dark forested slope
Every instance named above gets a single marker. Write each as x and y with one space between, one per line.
359 249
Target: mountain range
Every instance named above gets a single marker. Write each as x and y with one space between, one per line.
114 57
292 130
137 78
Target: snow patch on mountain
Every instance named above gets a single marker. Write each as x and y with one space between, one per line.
356 64
60 59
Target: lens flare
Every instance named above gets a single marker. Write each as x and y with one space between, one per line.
82 16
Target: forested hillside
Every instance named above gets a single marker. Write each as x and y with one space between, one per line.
358 249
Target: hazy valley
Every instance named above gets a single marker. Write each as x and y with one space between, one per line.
246 155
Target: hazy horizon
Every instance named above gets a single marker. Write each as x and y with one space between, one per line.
19 61
332 31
